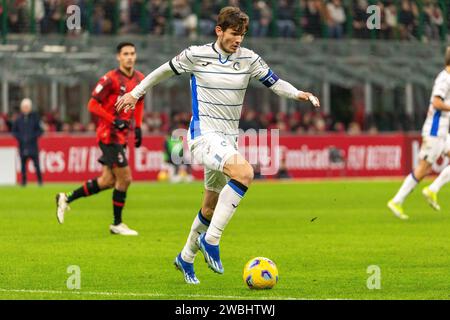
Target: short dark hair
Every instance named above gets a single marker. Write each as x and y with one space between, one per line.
124 44
234 18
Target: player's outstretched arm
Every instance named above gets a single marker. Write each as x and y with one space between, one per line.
128 101
287 90
260 70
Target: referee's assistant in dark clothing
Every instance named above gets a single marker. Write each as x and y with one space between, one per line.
27 129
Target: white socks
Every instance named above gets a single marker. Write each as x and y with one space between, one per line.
441 180
408 185
229 199
199 226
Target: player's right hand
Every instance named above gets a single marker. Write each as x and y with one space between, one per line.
126 102
308 96
120 124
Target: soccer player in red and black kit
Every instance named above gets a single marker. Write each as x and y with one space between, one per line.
112 136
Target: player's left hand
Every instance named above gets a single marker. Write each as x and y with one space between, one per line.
126 102
308 96
137 137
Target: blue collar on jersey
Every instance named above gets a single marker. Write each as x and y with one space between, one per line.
220 55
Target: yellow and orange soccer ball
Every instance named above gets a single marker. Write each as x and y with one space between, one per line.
260 273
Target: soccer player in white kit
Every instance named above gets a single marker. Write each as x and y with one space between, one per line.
435 142
220 73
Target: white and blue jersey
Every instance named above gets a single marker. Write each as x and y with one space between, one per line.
218 85
437 121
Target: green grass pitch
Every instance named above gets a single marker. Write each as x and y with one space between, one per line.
322 236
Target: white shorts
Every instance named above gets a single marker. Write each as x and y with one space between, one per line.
212 150
433 147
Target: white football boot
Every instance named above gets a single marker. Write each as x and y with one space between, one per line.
61 206
123 230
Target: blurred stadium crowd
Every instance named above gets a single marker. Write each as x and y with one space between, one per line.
400 19
311 122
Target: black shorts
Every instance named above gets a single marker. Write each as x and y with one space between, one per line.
113 155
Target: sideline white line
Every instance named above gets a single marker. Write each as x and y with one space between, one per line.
149 295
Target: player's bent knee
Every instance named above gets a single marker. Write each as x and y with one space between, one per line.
106 182
123 183
244 175
422 170
126 181
110 184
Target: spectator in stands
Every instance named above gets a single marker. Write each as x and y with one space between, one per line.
157 16
27 129
336 19
109 9
373 130
383 32
339 127
407 20
265 120
250 121
360 16
282 121
131 14
285 22
39 13
100 23
52 119
185 21
311 20
236 3
124 16
262 19
52 16
91 127
307 121
208 17
17 16
354 129
319 123
66 128
78 127
390 19
434 20
294 123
